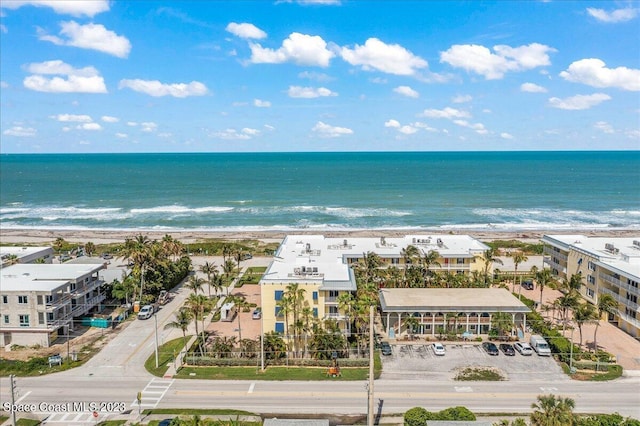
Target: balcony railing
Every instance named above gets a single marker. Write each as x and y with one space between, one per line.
626 318
558 255
621 284
620 299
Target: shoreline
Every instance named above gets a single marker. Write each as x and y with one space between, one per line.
98 236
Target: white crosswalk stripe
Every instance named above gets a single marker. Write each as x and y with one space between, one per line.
74 418
152 393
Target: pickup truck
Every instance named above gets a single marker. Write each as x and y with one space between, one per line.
146 312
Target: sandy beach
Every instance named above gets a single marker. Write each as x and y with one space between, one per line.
37 236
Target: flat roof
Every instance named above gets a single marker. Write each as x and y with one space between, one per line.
320 259
450 300
22 251
43 277
619 253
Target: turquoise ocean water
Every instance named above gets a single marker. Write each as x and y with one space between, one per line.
322 191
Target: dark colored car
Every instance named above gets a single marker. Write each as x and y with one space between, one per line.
527 284
507 349
385 348
490 348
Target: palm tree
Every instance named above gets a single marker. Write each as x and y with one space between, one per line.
518 258
89 248
197 304
208 269
552 411
241 303
429 259
295 294
489 257
566 303
195 283
583 314
228 268
182 321
606 304
543 277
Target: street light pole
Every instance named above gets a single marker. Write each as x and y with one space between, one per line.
261 344
155 317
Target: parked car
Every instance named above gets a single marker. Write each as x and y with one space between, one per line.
257 313
523 348
146 312
385 348
527 284
490 348
107 256
438 349
507 349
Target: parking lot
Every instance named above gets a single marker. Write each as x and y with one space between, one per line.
419 361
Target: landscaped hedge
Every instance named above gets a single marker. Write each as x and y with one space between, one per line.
237 362
418 416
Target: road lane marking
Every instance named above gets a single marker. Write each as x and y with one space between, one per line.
23 397
463 389
253 385
152 393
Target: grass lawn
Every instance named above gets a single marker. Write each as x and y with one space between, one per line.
166 355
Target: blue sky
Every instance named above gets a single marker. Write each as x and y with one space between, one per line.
244 76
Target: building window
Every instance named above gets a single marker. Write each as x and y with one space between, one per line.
591 279
6 319
592 266
395 261
333 294
24 320
333 310
278 311
315 296
280 327
279 294
41 318
49 316
5 299
72 287
23 300
590 293
315 312
460 261
631 282
48 299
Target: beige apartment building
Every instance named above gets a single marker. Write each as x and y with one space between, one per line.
607 265
322 268
39 302
10 255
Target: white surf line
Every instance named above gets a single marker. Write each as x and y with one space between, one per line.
253 385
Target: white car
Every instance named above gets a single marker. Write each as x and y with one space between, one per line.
438 349
146 312
523 348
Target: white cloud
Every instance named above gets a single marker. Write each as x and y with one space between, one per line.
320 2
246 31
604 127
505 135
316 76
261 104
233 134
250 131
579 102
633 134
480 60
328 131
461 99
69 7
618 15
392 123
89 126
406 91
407 130
477 127
593 72
532 88
301 49
149 126
4 85
91 36
82 80
3 28
132 123
122 135
72 118
387 58
156 88
447 112
109 119
309 92
22 132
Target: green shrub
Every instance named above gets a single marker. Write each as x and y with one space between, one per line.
456 413
416 416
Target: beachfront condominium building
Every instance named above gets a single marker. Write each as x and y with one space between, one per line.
606 266
12 255
39 302
320 271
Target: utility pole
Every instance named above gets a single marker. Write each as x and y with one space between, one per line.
370 417
12 381
155 317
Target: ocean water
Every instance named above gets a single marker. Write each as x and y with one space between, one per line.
568 191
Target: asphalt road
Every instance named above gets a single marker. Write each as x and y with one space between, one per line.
117 374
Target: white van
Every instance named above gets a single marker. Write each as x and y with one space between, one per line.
540 345
146 312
